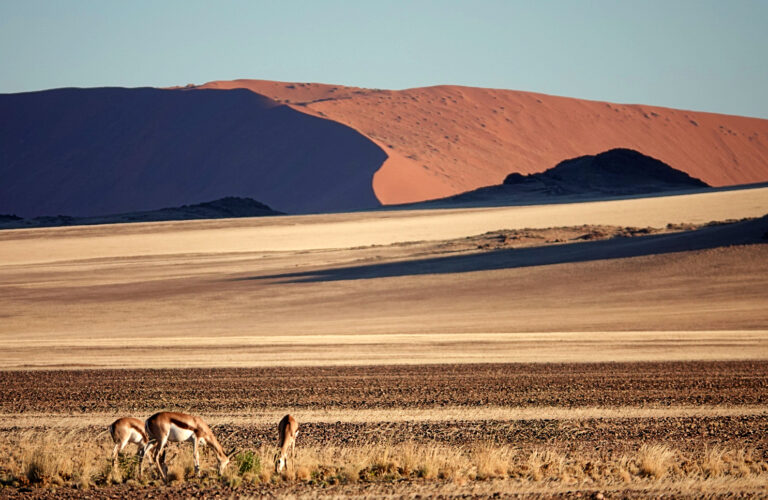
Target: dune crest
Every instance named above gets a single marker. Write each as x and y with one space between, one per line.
446 140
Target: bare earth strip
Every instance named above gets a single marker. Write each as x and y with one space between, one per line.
267 418
408 388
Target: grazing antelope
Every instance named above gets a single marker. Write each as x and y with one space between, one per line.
179 427
287 430
128 430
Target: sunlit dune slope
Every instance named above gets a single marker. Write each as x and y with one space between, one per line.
94 152
446 140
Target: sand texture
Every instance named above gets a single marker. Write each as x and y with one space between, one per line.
394 287
445 140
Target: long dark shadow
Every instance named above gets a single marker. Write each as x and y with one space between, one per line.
738 233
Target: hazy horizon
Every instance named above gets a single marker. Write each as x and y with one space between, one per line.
701 56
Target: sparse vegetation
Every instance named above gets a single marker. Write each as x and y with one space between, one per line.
248 462
655 460
395 436
38 459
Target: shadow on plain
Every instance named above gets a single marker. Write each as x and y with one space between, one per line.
748 232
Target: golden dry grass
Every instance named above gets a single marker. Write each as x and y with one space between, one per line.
655 460
46 458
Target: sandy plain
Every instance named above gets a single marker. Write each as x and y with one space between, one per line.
389 287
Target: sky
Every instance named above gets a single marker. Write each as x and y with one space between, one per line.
701 55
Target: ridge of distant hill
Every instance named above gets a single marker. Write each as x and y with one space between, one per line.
224 208
615 172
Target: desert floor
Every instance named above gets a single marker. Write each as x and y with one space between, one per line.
619 429
557 343
391 287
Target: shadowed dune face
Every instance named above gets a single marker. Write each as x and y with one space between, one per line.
445 140
111 150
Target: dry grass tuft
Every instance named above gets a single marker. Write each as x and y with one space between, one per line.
712 462
175 474
303 473
491 461
655 460
231 478
41 466
623 467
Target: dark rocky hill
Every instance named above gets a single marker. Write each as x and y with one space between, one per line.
225 208
613 172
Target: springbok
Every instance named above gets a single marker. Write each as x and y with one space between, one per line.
128 430
287 430
179 427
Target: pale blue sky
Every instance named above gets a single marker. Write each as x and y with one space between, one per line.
693 54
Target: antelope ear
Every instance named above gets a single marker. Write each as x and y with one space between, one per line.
232 453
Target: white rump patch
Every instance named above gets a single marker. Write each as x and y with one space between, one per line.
177 434
135 437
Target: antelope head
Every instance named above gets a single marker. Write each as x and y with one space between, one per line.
224 461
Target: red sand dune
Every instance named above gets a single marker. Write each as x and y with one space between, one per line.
445 140
92 152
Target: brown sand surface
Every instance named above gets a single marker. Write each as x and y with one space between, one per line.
423 393
446 140
314 291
